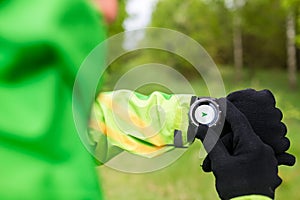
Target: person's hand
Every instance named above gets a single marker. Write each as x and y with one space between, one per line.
265 119
251 168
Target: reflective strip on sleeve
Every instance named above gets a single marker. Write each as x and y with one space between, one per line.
140 124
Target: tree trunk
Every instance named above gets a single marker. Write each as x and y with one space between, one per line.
291 50
237 47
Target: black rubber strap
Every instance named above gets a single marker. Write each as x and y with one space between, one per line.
192 129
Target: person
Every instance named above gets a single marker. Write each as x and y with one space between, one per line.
42 44
43 157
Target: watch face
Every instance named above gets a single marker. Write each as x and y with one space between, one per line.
204 111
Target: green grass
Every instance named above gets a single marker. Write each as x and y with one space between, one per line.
184 179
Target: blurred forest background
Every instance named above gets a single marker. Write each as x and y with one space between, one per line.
246 35
255 43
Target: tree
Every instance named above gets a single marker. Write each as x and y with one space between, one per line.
291 50
291 7
237 37
206 21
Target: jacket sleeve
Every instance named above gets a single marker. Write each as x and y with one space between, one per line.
142 125
252 197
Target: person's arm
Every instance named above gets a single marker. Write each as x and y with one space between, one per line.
143 125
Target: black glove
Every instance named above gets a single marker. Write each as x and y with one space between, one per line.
265 119
252 166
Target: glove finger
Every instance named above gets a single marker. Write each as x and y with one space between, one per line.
278 114
214 146
264 97
268 96
253 97
286 159
228 143
239 94
283 145
282 130
242 130
206 165
275 132
226 129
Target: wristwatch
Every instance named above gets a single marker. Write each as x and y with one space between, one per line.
203 111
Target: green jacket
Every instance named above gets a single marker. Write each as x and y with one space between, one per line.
42 44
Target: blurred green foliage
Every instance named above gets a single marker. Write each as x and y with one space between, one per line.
264 40
211 24
207 22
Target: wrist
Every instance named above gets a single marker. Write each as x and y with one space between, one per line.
252 197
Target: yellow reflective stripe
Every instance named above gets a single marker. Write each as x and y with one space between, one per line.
125 141
137 121
106 100
97 126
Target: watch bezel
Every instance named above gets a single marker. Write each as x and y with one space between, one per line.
204 101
